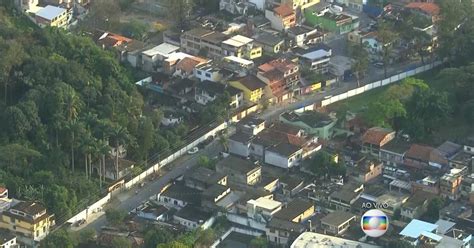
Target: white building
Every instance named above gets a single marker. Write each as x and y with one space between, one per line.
316 58
311 239
262 206
208 72
161 52
284 155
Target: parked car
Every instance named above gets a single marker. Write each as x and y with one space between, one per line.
193 150
378 65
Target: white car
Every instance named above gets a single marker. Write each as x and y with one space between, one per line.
193 150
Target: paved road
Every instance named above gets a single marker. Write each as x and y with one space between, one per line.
128 200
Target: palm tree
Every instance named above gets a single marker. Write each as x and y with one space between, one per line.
120 136
74 127
72 103
103 150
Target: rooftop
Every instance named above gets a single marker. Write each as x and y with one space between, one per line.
251 82
312 119
293 209
417 199
250 121
217 88
429 8
238 41
238 164
449 149
184 193
283 10
285 149
337 218
416 227
29 207
199 32
202 174
397 145
241 137
266 203
311 239
6 236
50 12
285 225
193 213
376 135
162 49
268 39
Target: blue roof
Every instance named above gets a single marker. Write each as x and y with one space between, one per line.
416 227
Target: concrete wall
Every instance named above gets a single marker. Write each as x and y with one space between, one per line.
374 85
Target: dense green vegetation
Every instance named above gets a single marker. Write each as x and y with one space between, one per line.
324 165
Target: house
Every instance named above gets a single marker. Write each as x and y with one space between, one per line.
449 149
270 42
212 196
291 185
339 23
428 184
186 66
423 157
201 41
450 184
416 205
295 211
312 239
312 122
455 211
262 207
429 10
151 58
3 193
239 144
125 167
192 218
251 125
237 65
207 91
357 36
340 67
283 155
368 170
177 195
281 18
303 36
296 4
171 118
241 47
52 16
281 76
240 170
337 222
417 228
315 58
283 232
7 239
393 152
251 86
202 178
467 186
343 199
153 213
375 138
29 220
208 71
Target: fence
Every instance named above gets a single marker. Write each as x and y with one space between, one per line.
376 84
237 230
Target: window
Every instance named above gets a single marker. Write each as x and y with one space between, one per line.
12 220
199 72
208 75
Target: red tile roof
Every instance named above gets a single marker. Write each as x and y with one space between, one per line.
429 8
283 10
420 152
376 135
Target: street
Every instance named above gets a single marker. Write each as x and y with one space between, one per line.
128 200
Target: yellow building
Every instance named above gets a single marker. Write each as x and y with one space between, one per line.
28 220
241 47
52 16
251 86
297 4
296 211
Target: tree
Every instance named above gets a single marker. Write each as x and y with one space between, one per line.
173 244
387 38
120 136
399 244
179 11
121 242
258 242
115 216
206 162
105 14
324 165
145 138
12 56
87 235
154 237
432 211
205 238
58 239
361 61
